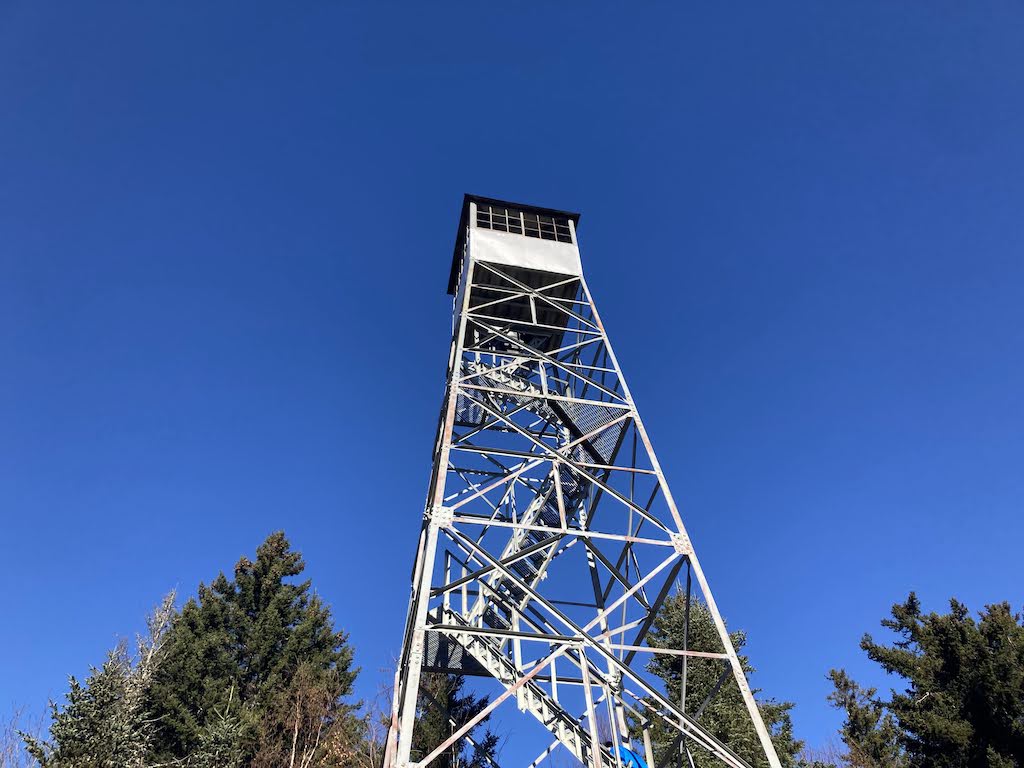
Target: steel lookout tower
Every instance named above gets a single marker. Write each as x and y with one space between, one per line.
550 538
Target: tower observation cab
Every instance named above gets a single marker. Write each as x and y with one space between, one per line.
550 539
537 245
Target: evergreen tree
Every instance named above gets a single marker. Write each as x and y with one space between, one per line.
105 723
89 730
220 740
442 708
963 701
247 638
870 733
725 715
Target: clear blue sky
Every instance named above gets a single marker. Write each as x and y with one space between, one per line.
225 233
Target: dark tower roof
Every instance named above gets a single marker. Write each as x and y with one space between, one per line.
460 238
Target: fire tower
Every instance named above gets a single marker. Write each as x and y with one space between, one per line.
550 538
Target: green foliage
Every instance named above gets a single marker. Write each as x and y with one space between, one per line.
251 673
871 734
220 740
725 715
91 730
105 722
963 701
259 639
442 709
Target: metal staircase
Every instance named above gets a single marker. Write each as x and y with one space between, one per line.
532 697
494 607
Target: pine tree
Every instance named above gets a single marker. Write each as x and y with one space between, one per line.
725 714
86 730
220 740
105 723
247 638
963 701
870 733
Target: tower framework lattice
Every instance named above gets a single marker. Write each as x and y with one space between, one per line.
550 539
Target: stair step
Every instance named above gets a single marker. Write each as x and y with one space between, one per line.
534 698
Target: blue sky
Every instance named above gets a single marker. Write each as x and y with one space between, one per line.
225 233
